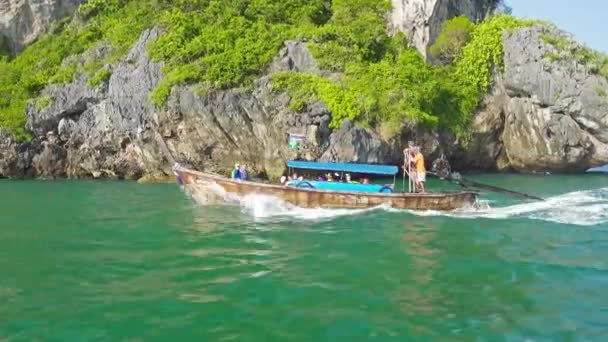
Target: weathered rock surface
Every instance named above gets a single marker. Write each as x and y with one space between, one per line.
351 143
110 131
22 21
15 158
421 20
66 100
355 144
543 114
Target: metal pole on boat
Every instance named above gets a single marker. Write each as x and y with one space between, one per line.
407 169
403 187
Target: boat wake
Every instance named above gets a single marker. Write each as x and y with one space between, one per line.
264 206
583 208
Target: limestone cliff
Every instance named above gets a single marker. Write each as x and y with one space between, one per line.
110 131
22 21
421 20
544 114
541 115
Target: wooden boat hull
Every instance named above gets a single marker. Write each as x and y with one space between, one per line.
208 188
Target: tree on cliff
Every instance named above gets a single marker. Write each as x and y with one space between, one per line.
455 34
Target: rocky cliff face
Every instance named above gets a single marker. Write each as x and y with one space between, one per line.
22 21
110 131
543 114
421 20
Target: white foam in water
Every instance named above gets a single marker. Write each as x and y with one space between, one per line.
584 208
264 206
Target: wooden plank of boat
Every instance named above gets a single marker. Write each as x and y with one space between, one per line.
203 183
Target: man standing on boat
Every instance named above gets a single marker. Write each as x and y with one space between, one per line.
409 164
420 170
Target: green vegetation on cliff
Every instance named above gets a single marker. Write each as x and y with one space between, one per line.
568 50
455 34
485 51
224 43
227 43
379 81
388 84
114 22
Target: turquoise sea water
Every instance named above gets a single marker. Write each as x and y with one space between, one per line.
114 261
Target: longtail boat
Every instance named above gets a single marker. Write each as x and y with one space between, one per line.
211 188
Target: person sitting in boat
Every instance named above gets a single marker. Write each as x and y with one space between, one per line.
420 170
293 179
349 179
244 174
329 177
364 180
236 172
283 179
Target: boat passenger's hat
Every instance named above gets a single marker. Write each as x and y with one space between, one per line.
237 165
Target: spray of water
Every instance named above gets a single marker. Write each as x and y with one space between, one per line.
584 208
262 206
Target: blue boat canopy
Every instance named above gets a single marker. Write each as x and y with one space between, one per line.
345 167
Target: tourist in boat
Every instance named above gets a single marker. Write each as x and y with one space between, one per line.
283 179
293 179
420 170
244 174
236 172
364 180
350 180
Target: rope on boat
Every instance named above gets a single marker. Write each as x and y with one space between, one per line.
466 183
470 183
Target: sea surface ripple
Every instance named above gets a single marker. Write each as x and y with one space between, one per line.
120 261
